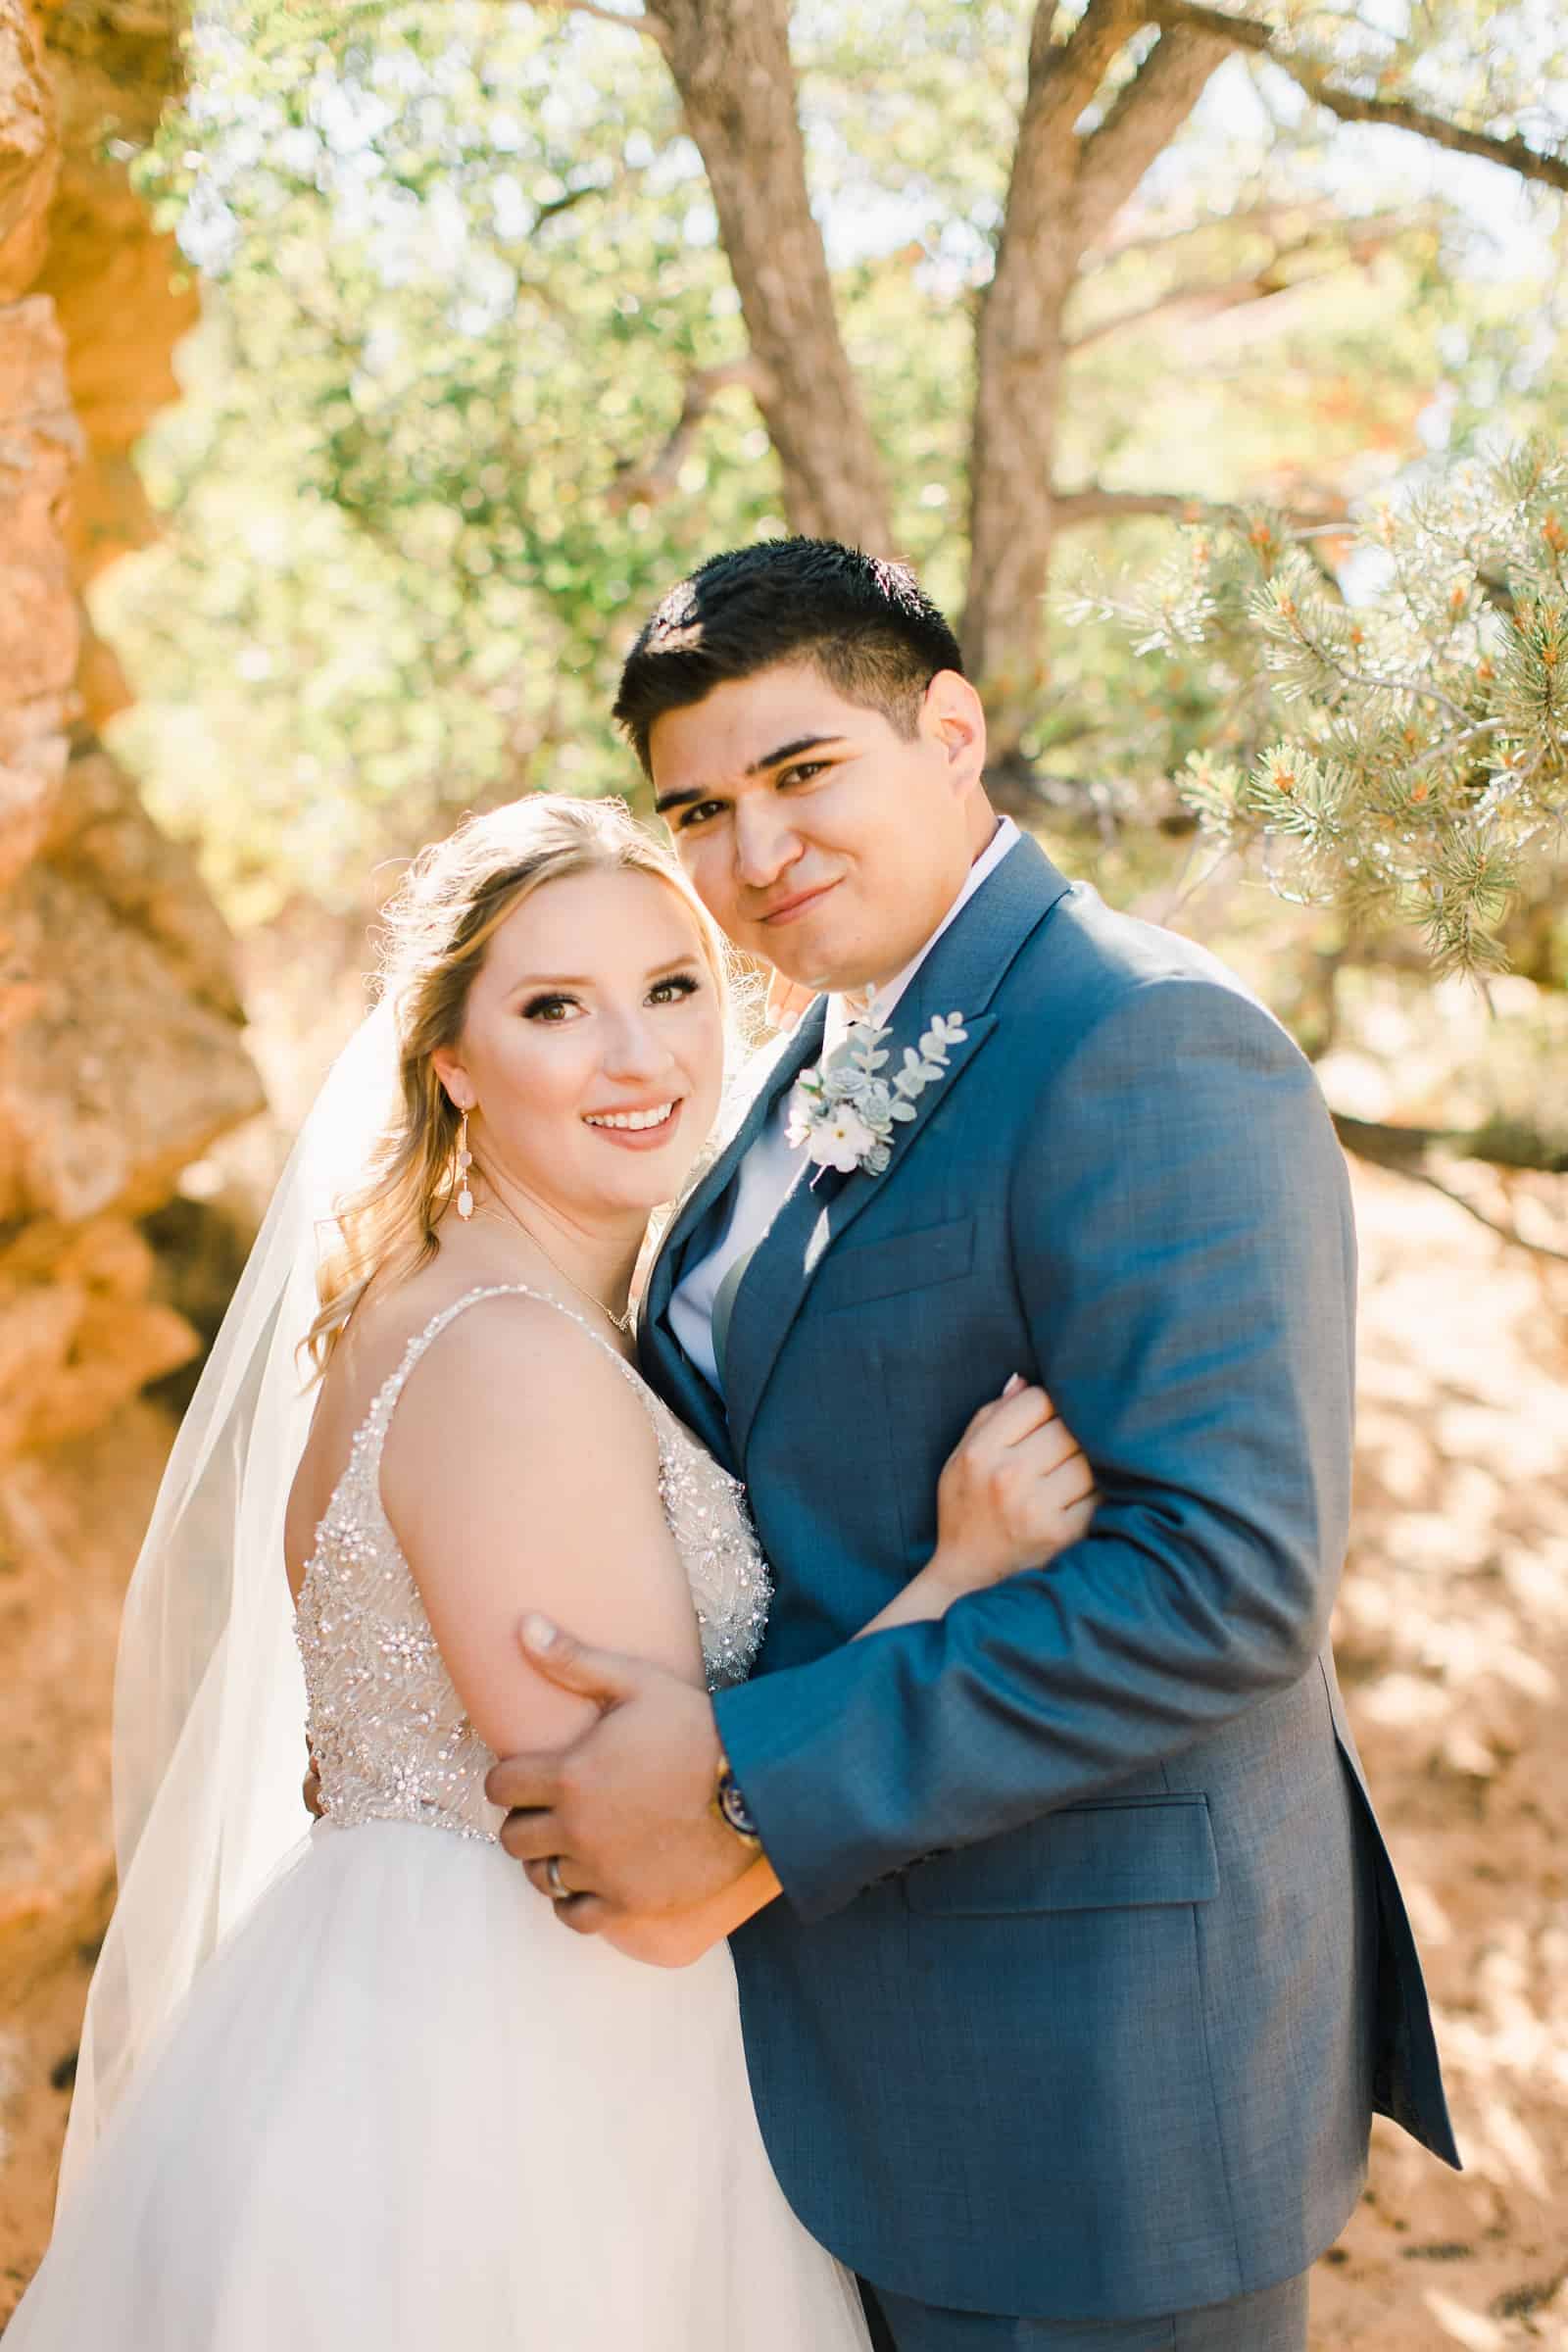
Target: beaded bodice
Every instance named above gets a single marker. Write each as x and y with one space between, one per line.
387 1729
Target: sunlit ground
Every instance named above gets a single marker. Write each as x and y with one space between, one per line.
1452 1639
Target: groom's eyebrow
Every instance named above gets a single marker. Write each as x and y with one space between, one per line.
759 767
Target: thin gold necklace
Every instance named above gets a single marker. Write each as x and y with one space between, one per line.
623 1323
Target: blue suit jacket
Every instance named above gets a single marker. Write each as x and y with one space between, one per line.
1092 1965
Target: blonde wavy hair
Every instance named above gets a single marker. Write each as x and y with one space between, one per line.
437 931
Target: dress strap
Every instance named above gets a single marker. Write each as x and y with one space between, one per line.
373 1434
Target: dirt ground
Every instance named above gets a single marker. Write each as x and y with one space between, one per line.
1452 1638
1453 1642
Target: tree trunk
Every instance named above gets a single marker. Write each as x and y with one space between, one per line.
1066 188
1020 354
730 60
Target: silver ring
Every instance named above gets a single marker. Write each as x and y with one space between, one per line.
560 1892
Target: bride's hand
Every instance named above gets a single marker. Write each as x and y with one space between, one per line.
787 999
1016 1491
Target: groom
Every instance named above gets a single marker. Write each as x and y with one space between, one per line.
1091 1965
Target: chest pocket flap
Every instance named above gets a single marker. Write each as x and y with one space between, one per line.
903 1261
1111 1856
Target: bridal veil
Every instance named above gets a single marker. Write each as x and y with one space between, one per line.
208 1699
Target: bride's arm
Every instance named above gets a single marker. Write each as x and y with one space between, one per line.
521 1472
1015 1492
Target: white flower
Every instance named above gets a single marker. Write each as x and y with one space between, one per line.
846 1112
841 1140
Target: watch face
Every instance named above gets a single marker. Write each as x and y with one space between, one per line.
734 1807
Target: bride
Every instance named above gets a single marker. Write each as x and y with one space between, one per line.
357 2088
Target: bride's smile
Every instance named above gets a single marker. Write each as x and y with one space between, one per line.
591 1054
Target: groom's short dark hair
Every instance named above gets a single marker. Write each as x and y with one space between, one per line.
865 623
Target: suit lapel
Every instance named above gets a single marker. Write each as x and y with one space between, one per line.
814 1217
961 974
780 1069
684 1387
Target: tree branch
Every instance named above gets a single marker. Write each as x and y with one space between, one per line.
1019 355
1415 1174
1064 75
1500 1143
1395 114
1367 237
649 26
646 483
1092 504
1198 302
1141 125
1128 238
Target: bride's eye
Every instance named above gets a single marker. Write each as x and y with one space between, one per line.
553 1007
670 991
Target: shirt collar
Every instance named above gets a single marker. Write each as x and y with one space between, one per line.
877 1008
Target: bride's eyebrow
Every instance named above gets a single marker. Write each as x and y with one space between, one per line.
541 980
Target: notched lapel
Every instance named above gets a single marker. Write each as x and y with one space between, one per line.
961 974
858 1189
815 1216
782 1070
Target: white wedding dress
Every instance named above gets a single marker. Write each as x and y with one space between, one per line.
402 2107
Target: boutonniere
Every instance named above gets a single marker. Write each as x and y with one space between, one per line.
845 1110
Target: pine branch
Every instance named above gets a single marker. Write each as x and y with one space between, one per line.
1395 114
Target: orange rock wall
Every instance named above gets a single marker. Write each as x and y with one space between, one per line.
120 1026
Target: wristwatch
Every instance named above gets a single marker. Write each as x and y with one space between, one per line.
732 1808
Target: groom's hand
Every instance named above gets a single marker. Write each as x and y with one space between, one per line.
627 1811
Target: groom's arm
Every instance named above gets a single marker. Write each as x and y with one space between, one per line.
1184 1252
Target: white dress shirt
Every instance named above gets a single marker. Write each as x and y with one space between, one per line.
766 1175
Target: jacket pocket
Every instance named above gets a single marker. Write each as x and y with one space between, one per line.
850 1276
1118 1854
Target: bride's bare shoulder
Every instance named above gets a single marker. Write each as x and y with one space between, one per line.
504 1349
386 1324
515 1370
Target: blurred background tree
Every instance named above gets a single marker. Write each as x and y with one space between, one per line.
513 312
1207 363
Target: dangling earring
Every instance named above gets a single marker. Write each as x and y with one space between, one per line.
464 1162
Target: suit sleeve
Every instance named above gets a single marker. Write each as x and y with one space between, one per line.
1184 1253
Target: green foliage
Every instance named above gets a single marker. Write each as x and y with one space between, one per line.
460 272
1397 734
458 267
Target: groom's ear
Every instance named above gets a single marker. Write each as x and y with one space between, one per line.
954 716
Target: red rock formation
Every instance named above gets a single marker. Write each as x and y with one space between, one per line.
119 1048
